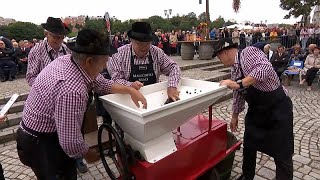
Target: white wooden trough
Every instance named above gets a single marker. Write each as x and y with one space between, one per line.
150 130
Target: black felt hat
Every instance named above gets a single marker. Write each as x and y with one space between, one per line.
56 26
91 41
141 31
223 44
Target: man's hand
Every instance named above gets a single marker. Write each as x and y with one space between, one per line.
91 156
3 118
230 84
234 124
136 96
137 85
173 93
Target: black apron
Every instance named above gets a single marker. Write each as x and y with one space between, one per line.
101 111
143 73
90 98
269 121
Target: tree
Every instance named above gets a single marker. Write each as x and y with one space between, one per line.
202 17
24 30
97 24
236 5
218 23
297 8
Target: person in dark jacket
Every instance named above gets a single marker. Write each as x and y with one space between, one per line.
280 61
7 62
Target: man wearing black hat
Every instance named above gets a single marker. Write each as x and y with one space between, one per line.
269 119
51 48
45 52
140 63
50 138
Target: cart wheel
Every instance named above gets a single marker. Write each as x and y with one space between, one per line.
116 151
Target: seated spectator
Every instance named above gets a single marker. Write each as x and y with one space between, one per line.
311 67
6 63
21 56
267 50
297 55
280 61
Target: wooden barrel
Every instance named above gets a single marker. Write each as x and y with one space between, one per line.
205 50
187 50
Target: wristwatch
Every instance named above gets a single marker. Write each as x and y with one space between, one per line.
239 82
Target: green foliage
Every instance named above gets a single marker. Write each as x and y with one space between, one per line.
297 8
218 23
25 30
97 24
22 31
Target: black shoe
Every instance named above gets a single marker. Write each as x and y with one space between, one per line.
82 168
4 79
10 79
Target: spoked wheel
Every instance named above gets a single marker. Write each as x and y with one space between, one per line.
116 152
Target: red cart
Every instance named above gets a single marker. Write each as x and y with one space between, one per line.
205 150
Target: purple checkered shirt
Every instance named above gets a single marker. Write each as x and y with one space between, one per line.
58 100
39 58
119 65
255 64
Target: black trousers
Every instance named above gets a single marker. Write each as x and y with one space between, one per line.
284 168
311 74
45 157
279 71
1 173
7 65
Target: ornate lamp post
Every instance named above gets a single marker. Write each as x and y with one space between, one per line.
168 13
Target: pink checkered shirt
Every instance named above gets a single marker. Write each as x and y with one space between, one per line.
58 100
119 65
38 59
254 63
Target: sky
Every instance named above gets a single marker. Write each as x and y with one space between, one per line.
37 11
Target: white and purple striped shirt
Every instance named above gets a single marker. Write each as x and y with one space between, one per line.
39 58
255 64
119 65
58 100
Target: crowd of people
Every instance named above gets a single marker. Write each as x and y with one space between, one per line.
14 57
283 62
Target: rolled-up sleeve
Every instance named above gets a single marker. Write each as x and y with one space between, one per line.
238 104
169 68
256 64
33 68
102 85
116 70
69 112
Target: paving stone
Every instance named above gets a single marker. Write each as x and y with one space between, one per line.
301 159
315 175
266 173
305 169
308 177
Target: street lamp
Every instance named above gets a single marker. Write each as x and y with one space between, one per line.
167 12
